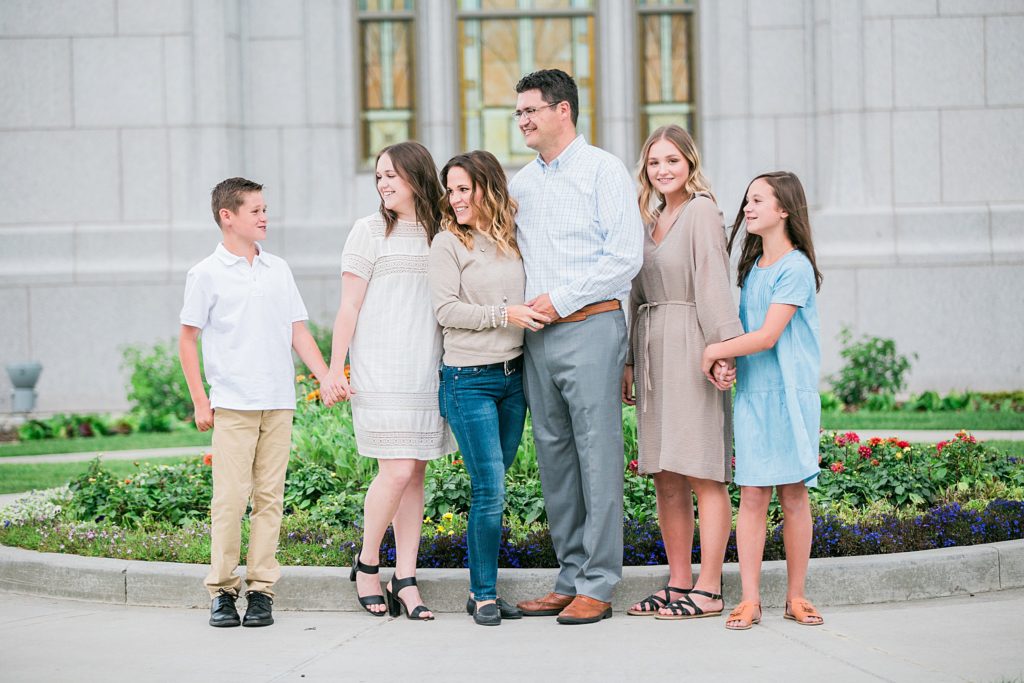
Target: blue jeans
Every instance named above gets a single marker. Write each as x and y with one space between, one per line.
486 409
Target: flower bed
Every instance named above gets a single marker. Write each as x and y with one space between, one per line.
874 496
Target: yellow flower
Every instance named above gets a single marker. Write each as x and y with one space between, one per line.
899 456
439 529
300 378
451 533
428 520
448 516
92 480
907 449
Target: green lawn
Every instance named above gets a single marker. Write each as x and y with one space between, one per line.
103 444
1015 448
864 419
17 477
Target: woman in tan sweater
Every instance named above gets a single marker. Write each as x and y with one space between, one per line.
478 285
680 302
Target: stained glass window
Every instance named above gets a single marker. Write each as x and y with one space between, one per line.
502 40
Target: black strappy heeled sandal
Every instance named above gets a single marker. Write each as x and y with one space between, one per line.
395 603
686 608
358 566
650 605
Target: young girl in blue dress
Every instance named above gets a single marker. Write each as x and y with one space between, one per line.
777 408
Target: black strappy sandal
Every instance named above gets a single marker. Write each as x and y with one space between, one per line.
358 566
395 603
686 608
655 601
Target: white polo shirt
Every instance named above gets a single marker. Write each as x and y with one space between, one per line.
245 314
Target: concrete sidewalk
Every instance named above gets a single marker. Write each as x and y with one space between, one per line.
138 454
968 638
936 435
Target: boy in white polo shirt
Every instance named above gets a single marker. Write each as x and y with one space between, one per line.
246 304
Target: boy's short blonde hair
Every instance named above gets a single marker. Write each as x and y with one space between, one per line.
230 194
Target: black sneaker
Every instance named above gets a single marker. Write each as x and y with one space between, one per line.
222 610
258 612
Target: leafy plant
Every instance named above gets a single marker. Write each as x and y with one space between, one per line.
873 367
156 387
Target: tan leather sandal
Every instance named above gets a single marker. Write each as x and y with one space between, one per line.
747 613
802 610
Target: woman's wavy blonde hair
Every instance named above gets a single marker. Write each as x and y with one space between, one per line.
651 201
495 211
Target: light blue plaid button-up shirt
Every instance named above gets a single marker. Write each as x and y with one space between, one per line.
579 227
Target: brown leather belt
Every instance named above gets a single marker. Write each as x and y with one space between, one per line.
587 311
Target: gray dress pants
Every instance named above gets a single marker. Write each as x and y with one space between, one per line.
572 383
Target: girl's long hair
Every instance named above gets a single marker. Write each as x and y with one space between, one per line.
789 193
495 212
415 166
652 202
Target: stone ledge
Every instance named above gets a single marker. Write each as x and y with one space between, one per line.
830 581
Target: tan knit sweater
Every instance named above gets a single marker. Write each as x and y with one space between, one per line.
468 288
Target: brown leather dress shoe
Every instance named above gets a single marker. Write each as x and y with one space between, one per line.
585 610
550 605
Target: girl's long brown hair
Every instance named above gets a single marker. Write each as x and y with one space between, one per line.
651 201
495 212
789 193
415 166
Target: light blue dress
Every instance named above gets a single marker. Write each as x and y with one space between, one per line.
778 410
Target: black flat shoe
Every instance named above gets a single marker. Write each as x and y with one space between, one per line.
395 603
507 611
358 566
487 615
258 612
222 610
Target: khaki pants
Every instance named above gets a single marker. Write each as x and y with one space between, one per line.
250 459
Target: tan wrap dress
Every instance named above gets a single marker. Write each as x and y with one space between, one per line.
679 303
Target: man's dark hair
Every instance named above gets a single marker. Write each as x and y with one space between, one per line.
555 86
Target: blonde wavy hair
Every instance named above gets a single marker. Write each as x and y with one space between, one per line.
495 211
651 201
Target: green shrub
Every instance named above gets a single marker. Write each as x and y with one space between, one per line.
872 368
928 400
174 494
830 402
156 387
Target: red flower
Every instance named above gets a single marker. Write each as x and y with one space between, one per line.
874 441
208 459
865 452
940 445
852 437
903 444
634 466
840 440
838 466
874 463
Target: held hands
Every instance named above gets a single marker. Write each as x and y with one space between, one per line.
542 304
628 395
720 371
335 387
521 315
203 416
725 373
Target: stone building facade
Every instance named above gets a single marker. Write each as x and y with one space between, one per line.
905 119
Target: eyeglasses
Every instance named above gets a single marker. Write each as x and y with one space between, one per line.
530 111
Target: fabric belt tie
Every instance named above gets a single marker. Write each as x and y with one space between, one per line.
644 311
587 311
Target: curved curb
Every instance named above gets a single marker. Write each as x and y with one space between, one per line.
830 581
